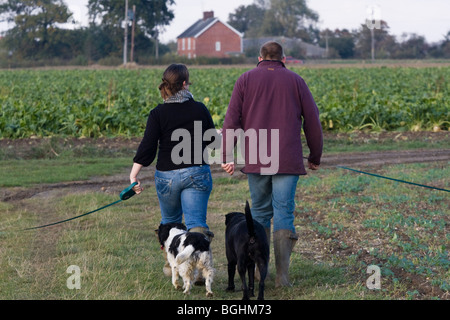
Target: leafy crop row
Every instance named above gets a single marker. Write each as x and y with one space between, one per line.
93 103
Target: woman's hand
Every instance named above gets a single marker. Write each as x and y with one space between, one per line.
137 188
133 178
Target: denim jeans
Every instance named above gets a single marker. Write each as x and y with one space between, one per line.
184 191
273 197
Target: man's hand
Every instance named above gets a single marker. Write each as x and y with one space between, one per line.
228 167
313 166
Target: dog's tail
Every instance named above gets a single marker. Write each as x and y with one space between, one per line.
185 254
249 220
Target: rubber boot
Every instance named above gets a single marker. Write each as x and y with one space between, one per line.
209 234
283 243
200 280
257 275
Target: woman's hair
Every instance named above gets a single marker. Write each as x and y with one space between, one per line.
172 80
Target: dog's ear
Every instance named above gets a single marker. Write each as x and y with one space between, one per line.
227 219
163 233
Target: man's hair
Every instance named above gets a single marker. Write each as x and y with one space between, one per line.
271 51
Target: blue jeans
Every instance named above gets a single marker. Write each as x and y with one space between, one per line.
273 197
184 191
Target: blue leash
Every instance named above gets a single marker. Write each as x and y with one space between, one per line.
126 194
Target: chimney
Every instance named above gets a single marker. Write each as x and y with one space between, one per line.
208 14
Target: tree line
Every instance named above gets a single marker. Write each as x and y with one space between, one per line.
293 19
39 32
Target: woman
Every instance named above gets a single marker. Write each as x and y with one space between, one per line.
183 186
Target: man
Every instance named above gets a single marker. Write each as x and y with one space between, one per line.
271 100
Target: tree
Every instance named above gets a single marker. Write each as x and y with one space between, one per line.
35 26
290 18
384 42
340 43
412 47
247 19
151 16
443 48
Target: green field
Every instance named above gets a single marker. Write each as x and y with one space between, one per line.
79 130
108 103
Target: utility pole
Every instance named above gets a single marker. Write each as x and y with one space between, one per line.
125 40
373 21
372 34
132 34
156 45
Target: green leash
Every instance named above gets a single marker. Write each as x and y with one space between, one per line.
396 180
126 194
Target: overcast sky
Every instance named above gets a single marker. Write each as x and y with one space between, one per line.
429 18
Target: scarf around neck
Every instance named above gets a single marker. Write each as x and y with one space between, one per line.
179 97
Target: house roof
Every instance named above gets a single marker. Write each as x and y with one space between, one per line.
197 28
201 26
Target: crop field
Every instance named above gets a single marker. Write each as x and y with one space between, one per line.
68 137
109 103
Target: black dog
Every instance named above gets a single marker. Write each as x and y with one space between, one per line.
246 245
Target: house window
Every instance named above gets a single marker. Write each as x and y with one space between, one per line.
189 44
183 45
217 45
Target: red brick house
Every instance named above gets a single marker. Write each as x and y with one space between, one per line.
209 37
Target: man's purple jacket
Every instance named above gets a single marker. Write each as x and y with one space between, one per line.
273 102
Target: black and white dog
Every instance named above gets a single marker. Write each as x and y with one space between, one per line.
187 253
246 245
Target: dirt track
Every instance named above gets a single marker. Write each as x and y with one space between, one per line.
114 183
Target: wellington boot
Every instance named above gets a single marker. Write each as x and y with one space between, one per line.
283 243
209 234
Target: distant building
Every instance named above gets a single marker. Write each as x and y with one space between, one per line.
210 37
292 45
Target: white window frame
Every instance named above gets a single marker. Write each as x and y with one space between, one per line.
218 45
